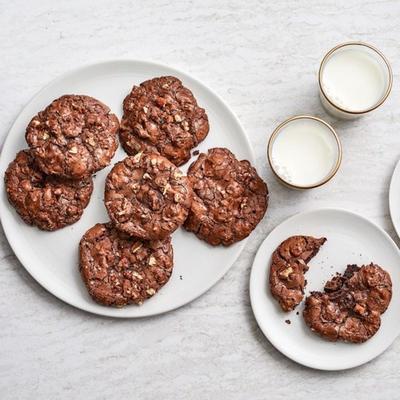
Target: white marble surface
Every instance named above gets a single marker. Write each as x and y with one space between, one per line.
262 58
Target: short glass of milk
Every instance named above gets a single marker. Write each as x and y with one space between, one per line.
354 79
304 152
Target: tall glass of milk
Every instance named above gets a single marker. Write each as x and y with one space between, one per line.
354 79
304 152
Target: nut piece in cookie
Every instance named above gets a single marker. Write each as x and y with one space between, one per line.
48 202
147 196
119 270
229 199
349 309
161 115
288 266
73 137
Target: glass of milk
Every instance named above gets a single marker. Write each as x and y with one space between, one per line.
304 152
354 79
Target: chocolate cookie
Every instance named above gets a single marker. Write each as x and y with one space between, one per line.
146 196
161 115
120 270
229 200
351 305
73 137
48 202
288 266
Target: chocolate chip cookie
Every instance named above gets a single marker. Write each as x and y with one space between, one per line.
48 202
229 200
147 196
119 270
161 115
73 137
350 307
288 266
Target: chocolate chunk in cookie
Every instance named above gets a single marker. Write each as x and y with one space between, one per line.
119 270
229 200
48 202
161 115
350 307
288 266
73 137
146 196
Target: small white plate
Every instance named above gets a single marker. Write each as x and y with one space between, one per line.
394 198
352 239
52 257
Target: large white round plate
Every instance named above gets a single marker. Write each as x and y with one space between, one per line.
394 198
352 239
52 258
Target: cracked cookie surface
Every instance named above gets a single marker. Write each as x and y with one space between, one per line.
229 199
73 137
119 270
288 266
48 202
350 307
161 115
147 196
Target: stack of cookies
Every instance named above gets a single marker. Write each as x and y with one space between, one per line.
129 259
50 183
147 197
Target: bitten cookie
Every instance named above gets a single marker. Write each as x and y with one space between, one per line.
229 200
288 266
119 270
146 196
73 137
161 115
48 202
350 307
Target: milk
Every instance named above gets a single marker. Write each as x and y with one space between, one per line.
304 152
354 79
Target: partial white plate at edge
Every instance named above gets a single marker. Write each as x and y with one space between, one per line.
352 239
52 257
394 198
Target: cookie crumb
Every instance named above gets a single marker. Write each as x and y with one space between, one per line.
180 277
288 321
195 153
